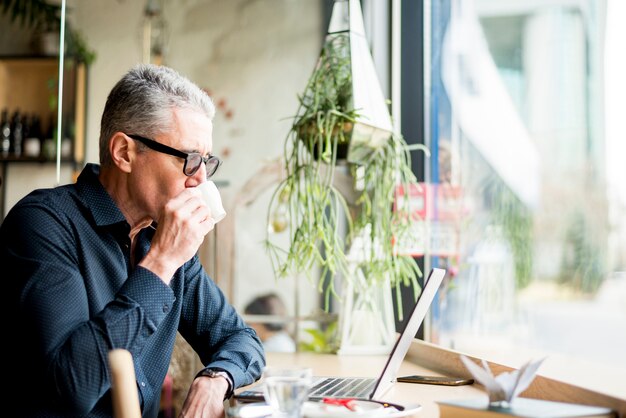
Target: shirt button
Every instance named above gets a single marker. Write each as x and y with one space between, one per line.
165 308
143 384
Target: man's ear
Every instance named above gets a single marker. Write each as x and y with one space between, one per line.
123 151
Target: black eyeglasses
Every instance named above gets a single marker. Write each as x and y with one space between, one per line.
193 160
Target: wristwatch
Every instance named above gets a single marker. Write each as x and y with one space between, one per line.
213 372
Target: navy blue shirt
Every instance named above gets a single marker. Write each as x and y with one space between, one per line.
73 295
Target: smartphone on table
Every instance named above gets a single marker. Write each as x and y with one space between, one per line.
436 380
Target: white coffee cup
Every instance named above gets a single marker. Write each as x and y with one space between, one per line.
211 196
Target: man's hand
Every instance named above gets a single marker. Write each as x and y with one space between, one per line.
205 398
182 226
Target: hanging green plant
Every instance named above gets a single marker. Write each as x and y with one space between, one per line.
326 117
323 214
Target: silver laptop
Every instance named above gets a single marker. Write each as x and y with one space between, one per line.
367 387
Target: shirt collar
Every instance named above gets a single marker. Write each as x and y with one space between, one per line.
96 199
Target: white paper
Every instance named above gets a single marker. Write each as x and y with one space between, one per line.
505 386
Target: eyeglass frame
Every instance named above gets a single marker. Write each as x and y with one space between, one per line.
166 149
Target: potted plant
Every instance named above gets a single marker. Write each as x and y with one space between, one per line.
338 198
45 19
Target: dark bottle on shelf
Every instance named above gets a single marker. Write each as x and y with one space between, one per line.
48 146
17 134
32 137
5 134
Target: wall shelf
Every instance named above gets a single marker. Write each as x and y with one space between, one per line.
30 84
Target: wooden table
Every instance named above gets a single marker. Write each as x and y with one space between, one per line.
427 359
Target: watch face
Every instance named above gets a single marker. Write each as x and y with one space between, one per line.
215 373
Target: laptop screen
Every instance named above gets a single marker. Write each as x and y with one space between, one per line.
401 347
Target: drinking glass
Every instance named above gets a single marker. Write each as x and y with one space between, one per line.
286 389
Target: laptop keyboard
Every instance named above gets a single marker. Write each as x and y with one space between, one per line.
338 387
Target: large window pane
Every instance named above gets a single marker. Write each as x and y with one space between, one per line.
541 260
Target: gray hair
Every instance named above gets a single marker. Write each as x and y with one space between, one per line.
142 102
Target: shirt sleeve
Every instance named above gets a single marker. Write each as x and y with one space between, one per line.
216 331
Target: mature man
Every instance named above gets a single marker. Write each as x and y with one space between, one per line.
111 262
